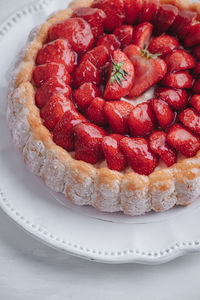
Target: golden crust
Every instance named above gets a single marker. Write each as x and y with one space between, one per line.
82 183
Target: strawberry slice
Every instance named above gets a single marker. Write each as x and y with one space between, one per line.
176 98
163 112
149 10
84 95
158 144
86 72
163 44
117 114
110 41
164 18
183 140
191 119
193 37
142 34
44 72
76 30
179 60
98 56
115 13
132 10
114 157
195 102
124 34
51 86
88 140
196 87
139 155
142 120
148 69
179 80
196 52
54 109
94 16
63 134
95 112
121 77
58 51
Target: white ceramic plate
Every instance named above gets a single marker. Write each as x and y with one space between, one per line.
80 231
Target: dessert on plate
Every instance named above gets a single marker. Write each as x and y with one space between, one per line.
104 104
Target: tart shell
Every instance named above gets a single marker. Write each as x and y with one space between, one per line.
82 183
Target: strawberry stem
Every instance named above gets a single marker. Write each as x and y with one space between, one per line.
148 55
118 74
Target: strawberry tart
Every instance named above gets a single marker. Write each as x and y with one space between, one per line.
104 104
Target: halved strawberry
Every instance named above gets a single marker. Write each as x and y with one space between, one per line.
142 120
163 112
84 95
121 77
88 140
195 102
117 114
164 18
76 30
86 72
196 87
193 37
163 45
183 140
98 56
149 10
196 52
176 98
142 34
179 80
191 119
139 155
54 109
58 51
114 157
115 13
148 69
158 144
95 112
44 72
51 86
132 10
94 16
124 34
63 134
179 60
110 41
197 69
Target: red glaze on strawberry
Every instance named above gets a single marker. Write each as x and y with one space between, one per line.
44 72
191 119
164 18
132 10
196 52
149 10
58 51
88 140
76 30
158 144
124 34
84 95
193 37
117 114
196 87
114 157
98 56
142 34
142 120
95 112
179 60
163 112
148 70
121 77
110 41
86 72
51 86
195 102
63 134
94 16
139 155
176 98
179 80
183 140
115 13
197 69
163 44
54 109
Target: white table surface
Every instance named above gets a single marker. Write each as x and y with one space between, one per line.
30 270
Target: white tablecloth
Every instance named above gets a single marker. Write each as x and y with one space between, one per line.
30 270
